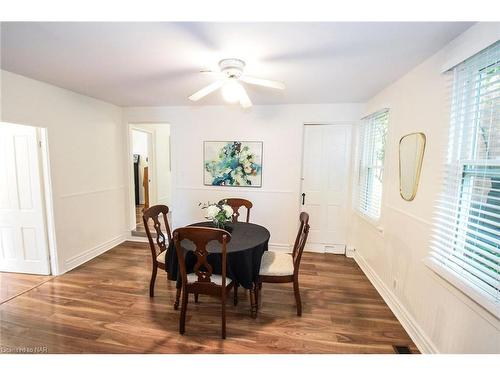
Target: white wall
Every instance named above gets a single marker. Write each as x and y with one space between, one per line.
139 142
276 204
162 161
436 314
86 149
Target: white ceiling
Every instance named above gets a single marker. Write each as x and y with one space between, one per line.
146 64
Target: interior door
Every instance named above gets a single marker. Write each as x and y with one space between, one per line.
325 185
23 240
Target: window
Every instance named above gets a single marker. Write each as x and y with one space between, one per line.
372 137
465 246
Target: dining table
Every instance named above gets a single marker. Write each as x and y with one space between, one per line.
244 253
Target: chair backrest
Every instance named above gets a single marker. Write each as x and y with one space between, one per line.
201 236
236 204
301 240
154 213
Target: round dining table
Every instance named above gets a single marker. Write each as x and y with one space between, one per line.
244 253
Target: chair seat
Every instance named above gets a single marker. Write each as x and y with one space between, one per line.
276 264
216 279
161 257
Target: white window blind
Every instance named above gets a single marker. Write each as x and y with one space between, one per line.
465 245
372 137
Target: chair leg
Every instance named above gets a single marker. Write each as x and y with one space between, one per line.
177 298
152 282
235 297
223 301
253 303
195 297
182 321
256 288
297 296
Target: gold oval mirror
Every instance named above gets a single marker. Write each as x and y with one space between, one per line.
411 155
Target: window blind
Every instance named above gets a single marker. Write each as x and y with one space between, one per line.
465 244
372 135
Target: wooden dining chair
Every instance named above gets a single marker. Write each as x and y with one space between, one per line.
159 244
277 267
202 280
236 204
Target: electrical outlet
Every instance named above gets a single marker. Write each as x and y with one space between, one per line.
350 252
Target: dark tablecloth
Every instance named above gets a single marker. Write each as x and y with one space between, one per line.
244 252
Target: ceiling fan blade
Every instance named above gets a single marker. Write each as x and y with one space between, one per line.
210 71
263 82
206 90
245 101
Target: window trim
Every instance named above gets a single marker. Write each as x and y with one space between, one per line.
459 282
356 202
355 196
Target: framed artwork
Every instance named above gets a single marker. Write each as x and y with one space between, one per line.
232 163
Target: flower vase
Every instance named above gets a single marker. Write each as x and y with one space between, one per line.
219 224
222 225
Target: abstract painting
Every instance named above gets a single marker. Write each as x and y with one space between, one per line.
232 163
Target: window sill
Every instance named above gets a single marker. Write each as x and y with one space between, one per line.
373 222
477 300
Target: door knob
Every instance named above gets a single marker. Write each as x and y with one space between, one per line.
303 198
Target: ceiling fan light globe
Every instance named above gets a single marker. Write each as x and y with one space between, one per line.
231 91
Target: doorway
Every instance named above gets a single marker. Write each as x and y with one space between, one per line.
326 171
141 149
24 246
150 170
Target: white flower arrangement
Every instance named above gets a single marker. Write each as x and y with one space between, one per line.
219 213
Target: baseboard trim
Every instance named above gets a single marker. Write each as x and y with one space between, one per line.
423 343
89 254
312 249
324 248
129 237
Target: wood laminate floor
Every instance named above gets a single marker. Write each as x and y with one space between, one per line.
103 306
13 284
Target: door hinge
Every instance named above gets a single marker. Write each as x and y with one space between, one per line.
40 144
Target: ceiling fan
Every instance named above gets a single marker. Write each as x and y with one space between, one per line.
231 76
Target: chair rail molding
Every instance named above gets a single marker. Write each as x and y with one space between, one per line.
402 212
89 192
236 189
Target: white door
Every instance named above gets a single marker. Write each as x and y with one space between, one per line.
325 185
23 240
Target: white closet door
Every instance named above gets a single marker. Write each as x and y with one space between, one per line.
325 184
23 241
